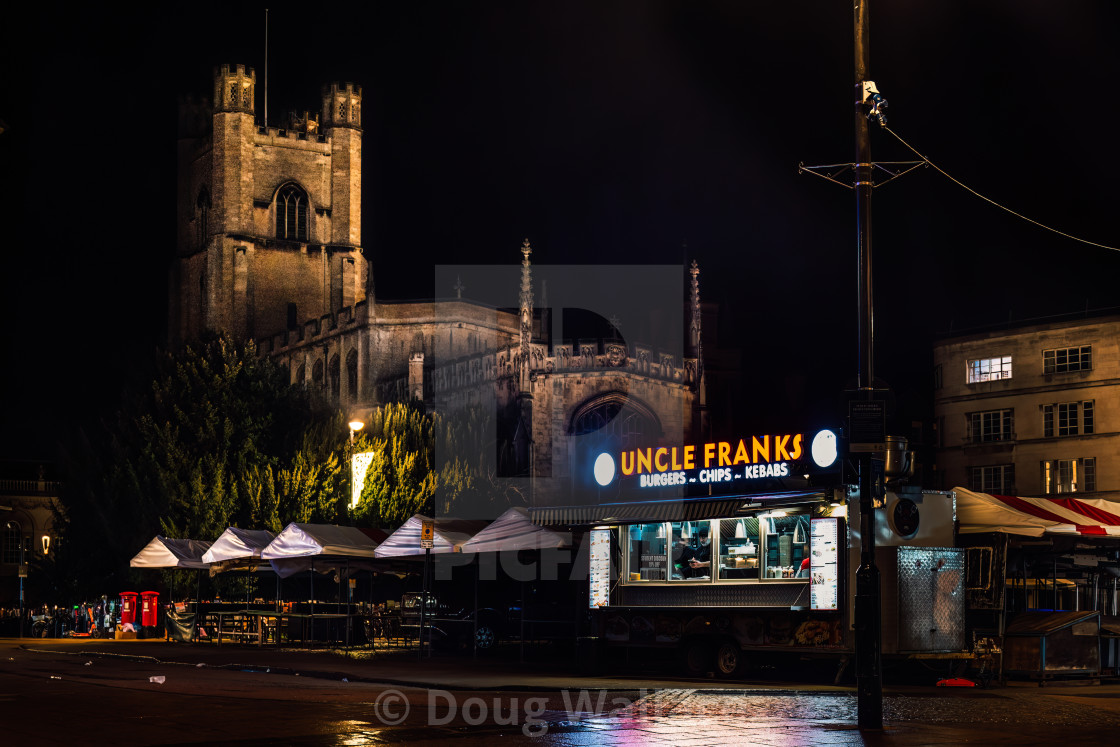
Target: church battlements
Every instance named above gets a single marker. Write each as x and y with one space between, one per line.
587 357
281 136
313 331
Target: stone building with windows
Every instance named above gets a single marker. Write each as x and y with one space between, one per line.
27 504
269 248
1031 411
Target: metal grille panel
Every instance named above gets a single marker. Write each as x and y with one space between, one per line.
717 595
931 599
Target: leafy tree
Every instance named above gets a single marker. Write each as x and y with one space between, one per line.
216 438
400 480
430 463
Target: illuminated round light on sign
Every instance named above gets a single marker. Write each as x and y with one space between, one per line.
824 449
604 469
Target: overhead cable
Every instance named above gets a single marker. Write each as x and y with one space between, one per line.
987 199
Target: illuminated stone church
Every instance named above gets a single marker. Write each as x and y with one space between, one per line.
269 248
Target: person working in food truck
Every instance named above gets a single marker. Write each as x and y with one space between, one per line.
696 560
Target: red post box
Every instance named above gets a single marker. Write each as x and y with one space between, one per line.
128 607
149 608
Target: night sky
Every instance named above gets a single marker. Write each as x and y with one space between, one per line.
606 133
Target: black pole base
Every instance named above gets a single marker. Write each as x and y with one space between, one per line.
869 670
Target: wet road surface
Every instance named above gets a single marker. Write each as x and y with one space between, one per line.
48 697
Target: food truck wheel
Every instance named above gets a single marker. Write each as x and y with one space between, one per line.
728 659
486 637
696 656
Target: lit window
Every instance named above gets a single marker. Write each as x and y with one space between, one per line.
1061 360
648 552
996 478
1069 475
1061 419
991 425
291 213
989 369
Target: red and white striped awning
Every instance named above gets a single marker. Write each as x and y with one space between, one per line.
984 512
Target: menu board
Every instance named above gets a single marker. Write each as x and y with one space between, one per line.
825 568
600 595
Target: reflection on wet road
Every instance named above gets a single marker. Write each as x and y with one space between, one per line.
769 719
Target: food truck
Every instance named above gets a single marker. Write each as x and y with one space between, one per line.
753 566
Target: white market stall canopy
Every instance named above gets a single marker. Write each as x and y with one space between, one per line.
162 552
514 530
239 549
448 535
1033 517
322 547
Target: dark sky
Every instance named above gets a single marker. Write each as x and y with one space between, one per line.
605 132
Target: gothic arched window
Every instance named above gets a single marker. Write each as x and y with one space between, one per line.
352 374
291 213
615 415
317 374
336 379
202 215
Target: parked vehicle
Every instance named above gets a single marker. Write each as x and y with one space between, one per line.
484 627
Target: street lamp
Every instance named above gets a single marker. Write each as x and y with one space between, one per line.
355 491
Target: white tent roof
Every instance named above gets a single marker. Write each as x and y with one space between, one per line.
309 540
238 544
448 535
239 549
323 547
514 530
984 512
162 552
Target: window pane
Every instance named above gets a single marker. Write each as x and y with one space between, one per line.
989 369
691 554
738 548
785 542
1062 360
647 550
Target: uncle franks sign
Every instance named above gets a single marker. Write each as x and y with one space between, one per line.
715 462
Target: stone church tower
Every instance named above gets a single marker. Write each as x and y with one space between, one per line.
269 249
270 219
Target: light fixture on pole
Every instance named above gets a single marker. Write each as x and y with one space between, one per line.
46 544
355 490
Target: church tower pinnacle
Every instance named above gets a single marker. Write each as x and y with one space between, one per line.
526 313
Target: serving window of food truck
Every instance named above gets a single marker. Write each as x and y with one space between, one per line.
770 546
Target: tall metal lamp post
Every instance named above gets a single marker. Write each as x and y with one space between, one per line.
13 526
